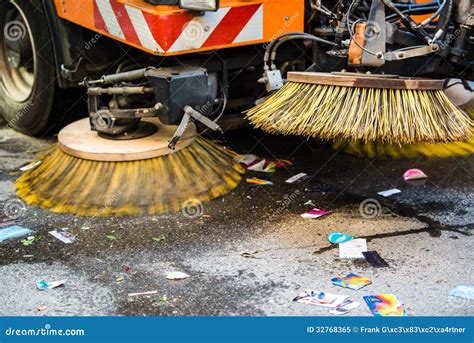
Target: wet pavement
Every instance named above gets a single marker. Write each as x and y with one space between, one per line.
424 233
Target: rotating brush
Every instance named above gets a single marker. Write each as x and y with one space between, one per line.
408 151
365 108
87 175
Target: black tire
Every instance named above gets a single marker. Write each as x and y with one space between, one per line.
28 113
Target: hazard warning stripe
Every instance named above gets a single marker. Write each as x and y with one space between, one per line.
98 20
253 30
109 17
125 23
197 31
147 40
182 31
231 25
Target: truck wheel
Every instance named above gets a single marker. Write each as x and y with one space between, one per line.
27 69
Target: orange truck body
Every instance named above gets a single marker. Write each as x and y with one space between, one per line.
168 30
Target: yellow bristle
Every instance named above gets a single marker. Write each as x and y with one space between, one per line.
366 114
66 184
409 151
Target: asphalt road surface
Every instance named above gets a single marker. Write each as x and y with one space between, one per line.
424 233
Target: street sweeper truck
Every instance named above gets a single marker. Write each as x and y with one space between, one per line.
156 74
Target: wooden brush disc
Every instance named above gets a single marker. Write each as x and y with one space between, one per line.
78 140
365 81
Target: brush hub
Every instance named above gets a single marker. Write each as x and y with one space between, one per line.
78 140
143 129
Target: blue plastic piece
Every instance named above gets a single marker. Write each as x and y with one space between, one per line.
337 237
13 232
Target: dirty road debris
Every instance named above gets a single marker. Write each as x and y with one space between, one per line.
223 251
315 213
344 308
255 181
46 286
319 298
63 235
389 192
414 174
353 249
351 281
338 237
13 232
131 295
177 276
382 305
167 159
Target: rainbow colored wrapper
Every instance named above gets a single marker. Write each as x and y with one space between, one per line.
255 163
385 305
259 182
351 281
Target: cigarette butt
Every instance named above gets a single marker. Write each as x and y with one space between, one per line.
142 293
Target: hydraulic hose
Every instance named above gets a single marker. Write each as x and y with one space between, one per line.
443 23
289 36
305 37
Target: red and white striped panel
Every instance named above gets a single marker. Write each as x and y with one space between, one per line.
173 33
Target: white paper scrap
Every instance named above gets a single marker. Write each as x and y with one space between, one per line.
353 249
389 192
177 276
246 159
296 178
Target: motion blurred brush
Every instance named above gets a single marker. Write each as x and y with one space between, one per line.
410 151
198 171
366 108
